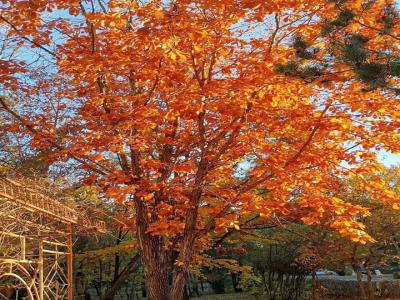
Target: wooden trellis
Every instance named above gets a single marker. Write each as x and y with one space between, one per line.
36 242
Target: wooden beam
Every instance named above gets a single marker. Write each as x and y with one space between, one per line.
70 271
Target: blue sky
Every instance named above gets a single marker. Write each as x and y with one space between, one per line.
389 159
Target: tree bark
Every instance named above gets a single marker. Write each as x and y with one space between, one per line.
189 236
153 255
155 264
186 253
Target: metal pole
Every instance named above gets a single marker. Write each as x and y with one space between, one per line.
70 273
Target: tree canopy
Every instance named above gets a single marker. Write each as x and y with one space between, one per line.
196 114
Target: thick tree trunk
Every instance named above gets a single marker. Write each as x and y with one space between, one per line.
154 258
185 255
155 263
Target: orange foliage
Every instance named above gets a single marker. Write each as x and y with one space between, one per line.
178 105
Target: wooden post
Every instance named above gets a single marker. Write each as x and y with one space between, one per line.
23 248
41 270
70 271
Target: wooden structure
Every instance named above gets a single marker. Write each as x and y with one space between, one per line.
36 242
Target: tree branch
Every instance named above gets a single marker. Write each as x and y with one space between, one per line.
94 166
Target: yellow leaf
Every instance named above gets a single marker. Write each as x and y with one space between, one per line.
336 200
158 14
274 102
347 223
261 93
172 55
148 196
196 48
224 52
203 33
180 54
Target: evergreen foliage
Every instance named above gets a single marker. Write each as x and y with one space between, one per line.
354 51
372 73
302 49
389 19
372 67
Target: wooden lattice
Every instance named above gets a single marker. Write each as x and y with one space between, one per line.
36 242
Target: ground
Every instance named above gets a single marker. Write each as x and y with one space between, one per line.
241 296
245 296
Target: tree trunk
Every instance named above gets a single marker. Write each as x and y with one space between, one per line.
356 267
371 294
110 296
185 255
185 293
235 282
187 247
100 278
154 258
130 268
314 286
357 270
155 264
